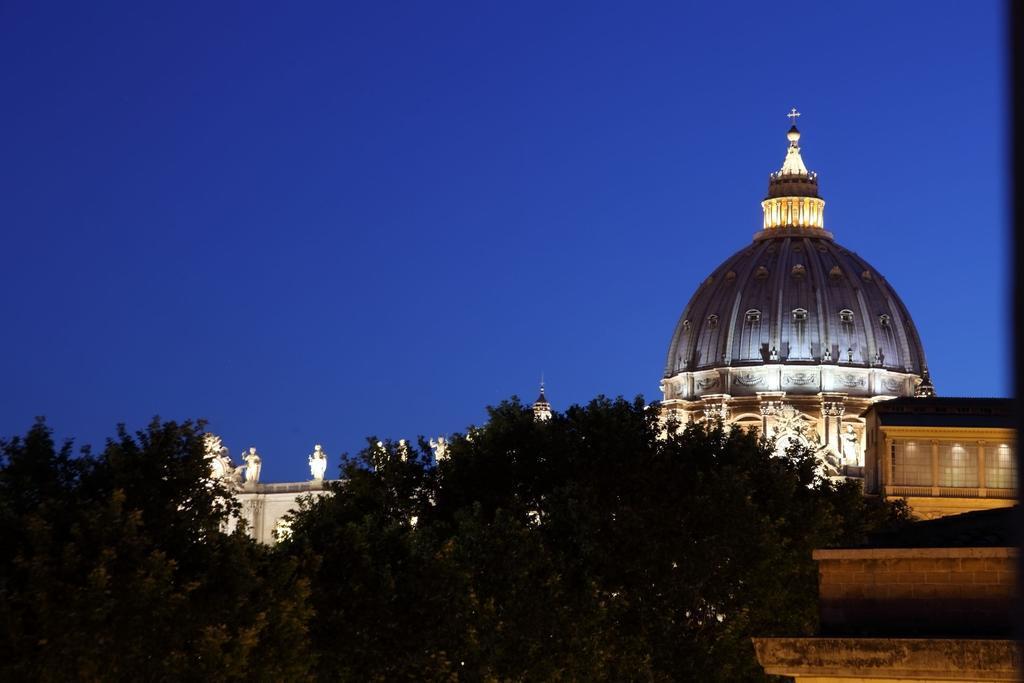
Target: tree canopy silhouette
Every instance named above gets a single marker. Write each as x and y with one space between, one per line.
593 546
115 567
597 545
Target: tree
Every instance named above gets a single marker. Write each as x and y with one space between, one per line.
591 546
115 567
598 545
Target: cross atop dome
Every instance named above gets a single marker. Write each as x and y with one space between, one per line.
793 115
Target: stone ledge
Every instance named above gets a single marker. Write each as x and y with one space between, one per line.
910 553
931 659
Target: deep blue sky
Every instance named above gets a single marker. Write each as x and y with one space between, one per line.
321 223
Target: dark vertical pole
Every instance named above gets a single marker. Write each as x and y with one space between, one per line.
1015 16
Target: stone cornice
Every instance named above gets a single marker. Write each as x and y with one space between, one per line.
933 659
911 553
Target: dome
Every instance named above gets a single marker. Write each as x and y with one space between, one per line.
794 311
802 298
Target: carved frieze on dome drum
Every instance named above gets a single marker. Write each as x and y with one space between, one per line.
749 379
706 382
848 380
895 385
804 380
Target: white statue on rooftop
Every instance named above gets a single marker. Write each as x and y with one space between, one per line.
318 463
253 465
403 450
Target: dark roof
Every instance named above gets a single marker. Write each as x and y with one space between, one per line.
945 412
980 529
746 307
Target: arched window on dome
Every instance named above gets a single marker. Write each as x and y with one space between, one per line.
887 340
749 347
846 340
799 347
712 322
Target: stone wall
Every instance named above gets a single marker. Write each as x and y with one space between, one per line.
889 660
917 591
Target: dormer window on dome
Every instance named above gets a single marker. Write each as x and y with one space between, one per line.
753 316
846 315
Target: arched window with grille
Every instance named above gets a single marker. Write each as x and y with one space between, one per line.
1000 466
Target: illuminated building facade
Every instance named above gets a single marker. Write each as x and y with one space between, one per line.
944 456
794 334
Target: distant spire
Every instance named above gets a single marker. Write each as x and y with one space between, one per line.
925 389
541 407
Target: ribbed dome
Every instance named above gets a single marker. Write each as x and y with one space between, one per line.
794 297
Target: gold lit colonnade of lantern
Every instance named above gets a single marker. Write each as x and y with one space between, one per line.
800 212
